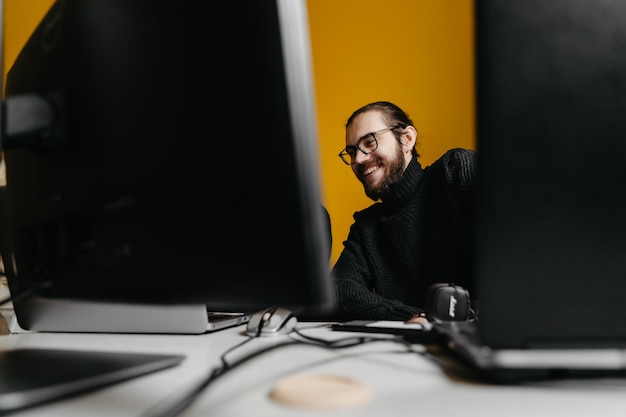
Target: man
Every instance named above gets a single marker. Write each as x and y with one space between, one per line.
418 231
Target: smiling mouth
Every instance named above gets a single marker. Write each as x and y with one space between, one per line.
369 170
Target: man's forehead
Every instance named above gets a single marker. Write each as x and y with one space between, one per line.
365 123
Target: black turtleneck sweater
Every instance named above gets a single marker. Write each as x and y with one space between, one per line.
419 235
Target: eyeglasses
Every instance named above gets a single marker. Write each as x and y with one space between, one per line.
367 144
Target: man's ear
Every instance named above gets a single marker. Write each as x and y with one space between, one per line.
409 136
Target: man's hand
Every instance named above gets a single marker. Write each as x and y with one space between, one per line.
418 318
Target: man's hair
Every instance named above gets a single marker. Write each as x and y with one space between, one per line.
392 115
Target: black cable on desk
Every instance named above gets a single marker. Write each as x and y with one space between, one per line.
349 341
173 407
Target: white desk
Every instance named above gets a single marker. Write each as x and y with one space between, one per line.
403 384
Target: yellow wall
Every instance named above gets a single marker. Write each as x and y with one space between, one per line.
20 19
415 53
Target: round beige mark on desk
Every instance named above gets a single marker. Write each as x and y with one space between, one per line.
320 391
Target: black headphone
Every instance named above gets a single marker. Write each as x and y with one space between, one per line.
447 302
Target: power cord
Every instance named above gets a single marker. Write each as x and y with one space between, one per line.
172 407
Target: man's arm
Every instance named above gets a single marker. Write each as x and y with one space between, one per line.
355 295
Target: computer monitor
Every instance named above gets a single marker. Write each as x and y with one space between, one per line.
159 153
551 141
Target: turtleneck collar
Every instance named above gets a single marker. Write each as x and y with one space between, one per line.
406 188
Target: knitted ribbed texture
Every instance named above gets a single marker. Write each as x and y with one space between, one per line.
420 234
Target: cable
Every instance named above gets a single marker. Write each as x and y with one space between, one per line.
349 341
173 407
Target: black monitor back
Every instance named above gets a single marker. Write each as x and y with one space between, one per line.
551 141
172 156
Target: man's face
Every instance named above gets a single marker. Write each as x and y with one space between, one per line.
380 170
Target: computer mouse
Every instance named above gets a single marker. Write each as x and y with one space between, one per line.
271 321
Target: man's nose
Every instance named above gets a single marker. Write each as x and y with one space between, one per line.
361 156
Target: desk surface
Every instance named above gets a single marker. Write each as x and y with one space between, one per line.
403 383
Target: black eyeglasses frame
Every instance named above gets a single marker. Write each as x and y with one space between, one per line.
348 154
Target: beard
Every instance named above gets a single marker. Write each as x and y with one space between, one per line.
386 187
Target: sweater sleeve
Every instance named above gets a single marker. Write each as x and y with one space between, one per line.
355 291
460 167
